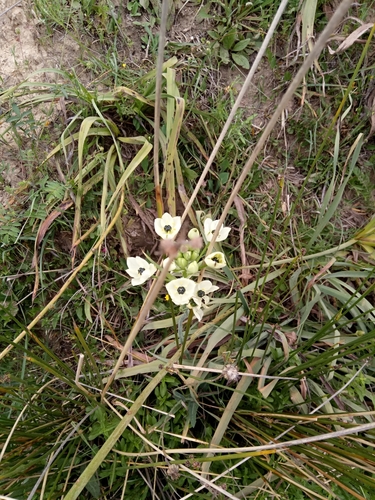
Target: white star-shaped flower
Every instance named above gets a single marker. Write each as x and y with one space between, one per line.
210 227
167 226
139 269
181 290
201 292
215 260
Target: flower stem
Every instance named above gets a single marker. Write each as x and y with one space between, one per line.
188 325
174 324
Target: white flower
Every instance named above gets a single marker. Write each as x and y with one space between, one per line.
210 227
167 227
216 260
202 290
193 233
181 290
139 269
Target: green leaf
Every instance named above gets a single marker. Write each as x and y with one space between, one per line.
93 486
224 55
204 12
224 176
241 45
192 413
241 60
229 39
190 174
87 308
213 34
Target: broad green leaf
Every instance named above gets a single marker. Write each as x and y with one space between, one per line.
241 60
213 34
171 152
224 55
241 45
229 39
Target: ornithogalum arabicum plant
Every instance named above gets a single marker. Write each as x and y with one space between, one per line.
182 289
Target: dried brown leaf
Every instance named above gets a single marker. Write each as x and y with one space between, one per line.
43 228
320 273
139 356
352 38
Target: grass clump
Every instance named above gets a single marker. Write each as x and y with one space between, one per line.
261 385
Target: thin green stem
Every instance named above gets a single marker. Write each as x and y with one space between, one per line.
174 323
188 325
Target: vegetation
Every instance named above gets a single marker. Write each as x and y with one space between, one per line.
113 389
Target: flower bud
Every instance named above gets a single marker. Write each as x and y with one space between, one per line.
181 262
194 255
193 233
193 267
187 255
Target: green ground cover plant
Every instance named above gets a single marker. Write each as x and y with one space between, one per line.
187 298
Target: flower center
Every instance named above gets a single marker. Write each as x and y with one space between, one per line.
201 293
181 290
167 228
216 259
141 270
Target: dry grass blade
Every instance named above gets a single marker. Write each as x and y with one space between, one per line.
352 38
242 216
43 228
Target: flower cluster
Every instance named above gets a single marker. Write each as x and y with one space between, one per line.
181 289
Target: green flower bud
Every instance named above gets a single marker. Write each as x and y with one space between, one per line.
187 255
192 268
194 255
181 262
